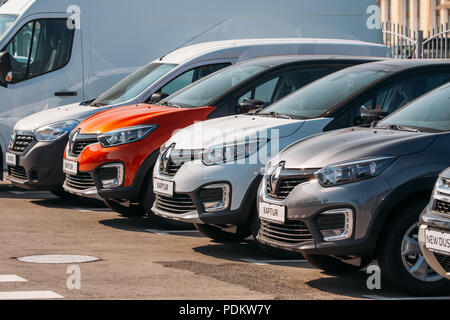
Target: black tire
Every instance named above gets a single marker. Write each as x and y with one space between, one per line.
148 198
255 225
392 264
334 265
220 235
133 210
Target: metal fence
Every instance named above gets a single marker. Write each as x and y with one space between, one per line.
407 44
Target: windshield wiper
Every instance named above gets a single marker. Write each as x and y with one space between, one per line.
275 114
399 128
170 104
98 104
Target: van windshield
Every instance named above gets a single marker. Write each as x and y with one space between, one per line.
430 113
133 85
202 92
6 20
323 94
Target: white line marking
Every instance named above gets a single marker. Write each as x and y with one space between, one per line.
267 262
156 231
375 297
28 192
25 295
91 209
11 278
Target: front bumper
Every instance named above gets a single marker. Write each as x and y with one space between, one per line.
308 200
193 176
136 166
431 219
39 166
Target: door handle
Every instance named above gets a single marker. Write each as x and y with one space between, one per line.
66 94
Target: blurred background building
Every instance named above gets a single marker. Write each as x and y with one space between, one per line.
415 14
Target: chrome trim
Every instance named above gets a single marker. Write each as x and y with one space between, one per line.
225 197
88 193
120 175
348 229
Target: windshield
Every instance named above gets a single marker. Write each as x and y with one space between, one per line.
428 113
133 85
321 95
6 21
209 88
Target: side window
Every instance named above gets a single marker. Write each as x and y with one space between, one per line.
263 92
41 46
402 92
283 84
191 76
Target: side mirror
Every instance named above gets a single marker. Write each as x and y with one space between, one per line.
157 96
5 69
249 106
368 116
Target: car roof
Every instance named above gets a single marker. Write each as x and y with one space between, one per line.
236 48
397 65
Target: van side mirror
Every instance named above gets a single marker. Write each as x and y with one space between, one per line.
249 105
158 96
5 69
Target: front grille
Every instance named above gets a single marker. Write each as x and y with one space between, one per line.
211 194
173 159
21 142
291 232
81 181
17 172
442 206
178 204
444 261
171 169
286 185
330 221
78 146
107 173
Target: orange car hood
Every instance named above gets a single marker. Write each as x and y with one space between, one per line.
140 114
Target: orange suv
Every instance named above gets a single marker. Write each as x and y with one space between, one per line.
111 155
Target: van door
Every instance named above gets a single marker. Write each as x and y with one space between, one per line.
46 70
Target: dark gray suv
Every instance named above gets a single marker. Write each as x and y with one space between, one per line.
349 196
434 232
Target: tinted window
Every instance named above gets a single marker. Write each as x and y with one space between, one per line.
400 93
321 95
430 112
41 46
191 76
279 86
209 88
133 85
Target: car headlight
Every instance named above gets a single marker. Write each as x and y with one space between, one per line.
351 171
231 152
125 135
54 131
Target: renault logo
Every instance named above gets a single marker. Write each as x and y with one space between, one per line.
166 158
274 179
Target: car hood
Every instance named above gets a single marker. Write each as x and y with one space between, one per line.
140 114
75 111
231 129
353 143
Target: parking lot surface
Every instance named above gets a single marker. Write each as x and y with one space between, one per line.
140 261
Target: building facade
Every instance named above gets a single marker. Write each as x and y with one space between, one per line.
415 14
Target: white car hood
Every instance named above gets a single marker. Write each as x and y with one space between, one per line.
74 111
231 129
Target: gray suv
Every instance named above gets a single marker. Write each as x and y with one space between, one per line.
349 196
434 231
